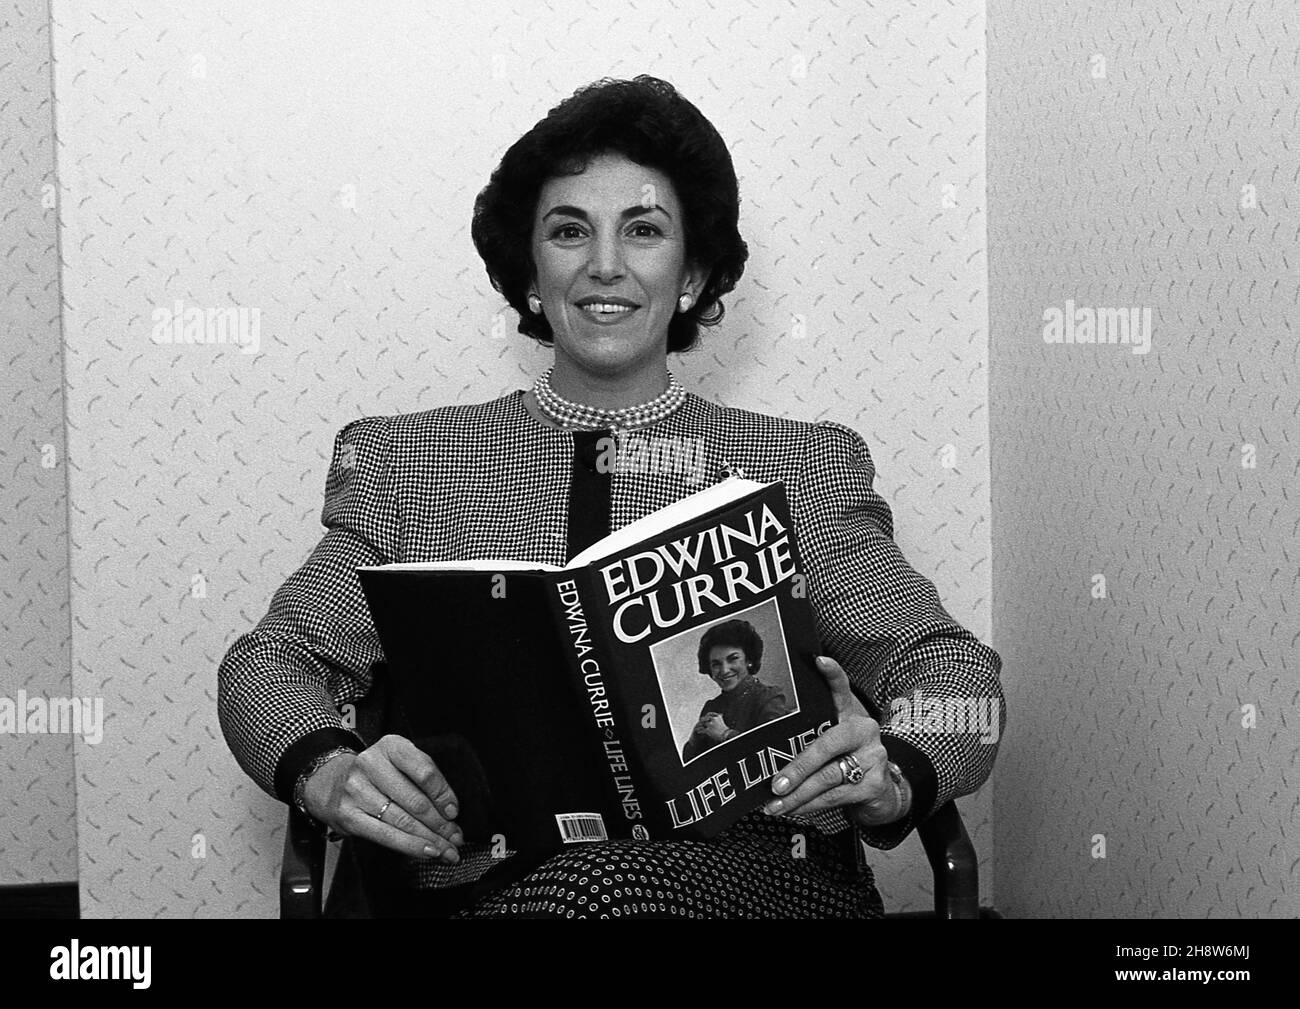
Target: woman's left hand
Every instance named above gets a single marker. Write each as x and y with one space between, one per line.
814 781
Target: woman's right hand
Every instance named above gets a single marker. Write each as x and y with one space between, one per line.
713 728
348 791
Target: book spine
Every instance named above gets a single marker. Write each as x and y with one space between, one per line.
588 658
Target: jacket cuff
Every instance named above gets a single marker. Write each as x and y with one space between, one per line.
920 775
295 759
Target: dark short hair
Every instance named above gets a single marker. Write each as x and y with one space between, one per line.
649 123
737 633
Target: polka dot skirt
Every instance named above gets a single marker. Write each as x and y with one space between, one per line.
762 867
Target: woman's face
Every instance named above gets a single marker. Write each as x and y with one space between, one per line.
727 666
613 234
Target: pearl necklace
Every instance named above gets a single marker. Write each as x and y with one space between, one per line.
579 415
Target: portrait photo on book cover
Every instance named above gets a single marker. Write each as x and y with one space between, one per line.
724 679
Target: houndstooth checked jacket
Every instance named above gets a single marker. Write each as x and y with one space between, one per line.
490 481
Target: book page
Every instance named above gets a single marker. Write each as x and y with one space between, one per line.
711 498
475 564
690 507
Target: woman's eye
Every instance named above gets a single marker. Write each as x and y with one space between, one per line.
560 231
650 227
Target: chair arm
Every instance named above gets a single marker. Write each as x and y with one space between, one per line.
302 871
952 859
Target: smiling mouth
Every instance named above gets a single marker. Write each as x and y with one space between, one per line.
602 312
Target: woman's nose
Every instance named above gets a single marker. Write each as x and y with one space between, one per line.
606 259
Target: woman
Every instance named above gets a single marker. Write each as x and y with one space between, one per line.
732 654
611 228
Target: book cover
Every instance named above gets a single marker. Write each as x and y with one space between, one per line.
650 689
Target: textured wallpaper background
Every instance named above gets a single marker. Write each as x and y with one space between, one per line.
317 165
1146 554
38 840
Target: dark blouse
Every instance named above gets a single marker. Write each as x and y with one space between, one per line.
747 705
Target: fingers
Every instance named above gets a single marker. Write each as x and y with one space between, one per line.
806 804
407 775
850 735
826 783
420 768
358 810
846 702
875 787
813 781
396 777
401 841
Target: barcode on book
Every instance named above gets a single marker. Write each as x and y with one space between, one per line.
576 827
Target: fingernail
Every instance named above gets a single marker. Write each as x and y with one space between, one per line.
451 855
457 838
772 807
450 811
431 851
781 785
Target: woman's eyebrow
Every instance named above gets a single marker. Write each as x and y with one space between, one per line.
569 211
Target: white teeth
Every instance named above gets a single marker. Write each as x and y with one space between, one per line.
607 309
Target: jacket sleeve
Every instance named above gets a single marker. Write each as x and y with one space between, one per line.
280 685
884 624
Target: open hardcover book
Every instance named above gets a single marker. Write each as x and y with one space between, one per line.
649 689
